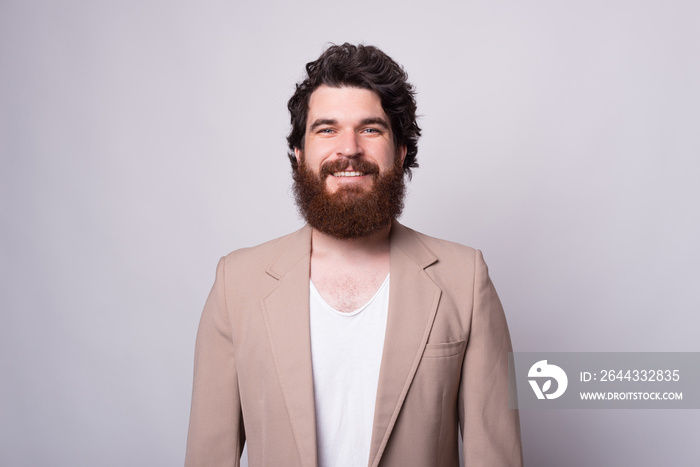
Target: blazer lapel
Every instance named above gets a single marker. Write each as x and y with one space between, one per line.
286 311
413 301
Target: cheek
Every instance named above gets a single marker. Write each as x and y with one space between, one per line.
390 158
315 154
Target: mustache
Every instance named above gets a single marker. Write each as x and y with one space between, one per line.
359 165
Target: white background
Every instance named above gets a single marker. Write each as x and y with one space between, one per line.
142 140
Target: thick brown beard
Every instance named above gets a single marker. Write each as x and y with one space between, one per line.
350 212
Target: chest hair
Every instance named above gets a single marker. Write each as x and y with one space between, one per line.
348 292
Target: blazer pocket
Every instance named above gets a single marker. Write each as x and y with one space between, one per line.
447 349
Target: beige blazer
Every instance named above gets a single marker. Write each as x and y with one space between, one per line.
444 364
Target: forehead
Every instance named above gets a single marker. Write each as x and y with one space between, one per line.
344 104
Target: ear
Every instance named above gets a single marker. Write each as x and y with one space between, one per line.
401 153
298 153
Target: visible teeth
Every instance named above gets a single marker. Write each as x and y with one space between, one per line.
348 174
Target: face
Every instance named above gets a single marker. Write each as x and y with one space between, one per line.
349 180
348 140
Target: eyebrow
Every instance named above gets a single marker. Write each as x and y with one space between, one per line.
367 121
376 121
322 121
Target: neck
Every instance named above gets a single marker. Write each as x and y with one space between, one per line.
351 248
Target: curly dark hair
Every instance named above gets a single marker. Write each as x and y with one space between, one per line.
367 67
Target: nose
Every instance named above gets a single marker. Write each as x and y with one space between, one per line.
349 145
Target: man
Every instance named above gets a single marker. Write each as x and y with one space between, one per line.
355 340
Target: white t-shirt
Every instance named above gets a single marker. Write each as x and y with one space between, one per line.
346 353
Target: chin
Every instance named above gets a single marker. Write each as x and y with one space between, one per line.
348 191
356 187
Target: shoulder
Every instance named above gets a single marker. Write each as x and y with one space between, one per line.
445 261
443 250
266 255
258 253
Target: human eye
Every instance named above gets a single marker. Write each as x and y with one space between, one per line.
372 131
325 131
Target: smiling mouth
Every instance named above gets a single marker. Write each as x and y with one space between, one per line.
349 174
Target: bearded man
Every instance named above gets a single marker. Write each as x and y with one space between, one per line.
354 341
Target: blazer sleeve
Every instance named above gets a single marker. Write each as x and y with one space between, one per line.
216 435
490 429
